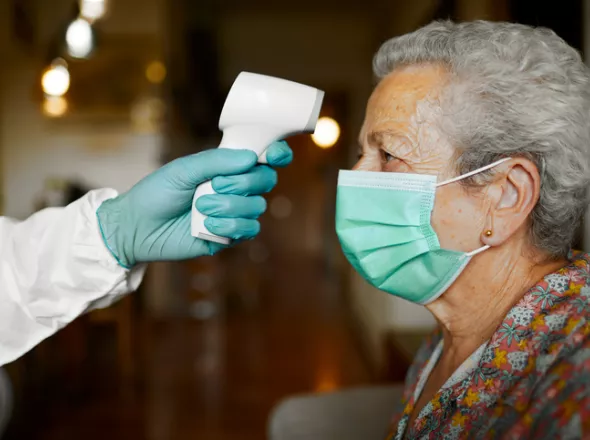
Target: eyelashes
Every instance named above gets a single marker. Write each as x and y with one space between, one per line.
385 156
388 157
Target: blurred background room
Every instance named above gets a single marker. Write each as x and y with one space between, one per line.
98 93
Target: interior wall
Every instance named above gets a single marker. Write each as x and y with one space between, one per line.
301 47
35 148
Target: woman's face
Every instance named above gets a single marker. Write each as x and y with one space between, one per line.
400 135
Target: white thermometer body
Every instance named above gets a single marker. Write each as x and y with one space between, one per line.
258 111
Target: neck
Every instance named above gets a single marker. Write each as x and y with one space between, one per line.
470 311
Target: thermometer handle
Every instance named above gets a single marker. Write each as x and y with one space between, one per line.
198 229
252 138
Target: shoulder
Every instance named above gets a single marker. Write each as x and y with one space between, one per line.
571 370
560 403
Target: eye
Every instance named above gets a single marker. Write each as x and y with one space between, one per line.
388 157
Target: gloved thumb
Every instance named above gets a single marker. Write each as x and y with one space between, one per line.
190 171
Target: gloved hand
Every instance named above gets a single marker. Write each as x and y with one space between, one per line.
152 221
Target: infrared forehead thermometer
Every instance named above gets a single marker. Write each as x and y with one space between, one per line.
259 110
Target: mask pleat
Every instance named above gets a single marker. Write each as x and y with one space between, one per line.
383 223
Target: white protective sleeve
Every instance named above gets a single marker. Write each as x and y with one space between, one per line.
54 266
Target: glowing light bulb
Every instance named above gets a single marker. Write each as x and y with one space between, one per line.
79 38
327 132
55 106
92 10
155 72
56 79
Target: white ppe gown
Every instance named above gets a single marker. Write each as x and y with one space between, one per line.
54 266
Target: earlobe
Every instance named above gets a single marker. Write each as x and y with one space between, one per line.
489 236
512 201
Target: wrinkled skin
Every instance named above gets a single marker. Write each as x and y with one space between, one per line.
400 134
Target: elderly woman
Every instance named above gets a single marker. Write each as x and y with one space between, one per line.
474 175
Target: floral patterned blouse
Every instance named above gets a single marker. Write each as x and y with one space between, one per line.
530 380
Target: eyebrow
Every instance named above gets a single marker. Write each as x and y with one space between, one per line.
379 138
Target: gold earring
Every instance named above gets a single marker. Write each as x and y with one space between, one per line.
488 233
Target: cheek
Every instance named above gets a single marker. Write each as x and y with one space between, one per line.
458 219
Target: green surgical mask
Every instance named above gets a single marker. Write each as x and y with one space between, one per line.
383 223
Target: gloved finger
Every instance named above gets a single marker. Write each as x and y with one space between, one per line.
231 206
189 171
234 228
259 180
278 154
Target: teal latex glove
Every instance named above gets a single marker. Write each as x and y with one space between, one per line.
152 221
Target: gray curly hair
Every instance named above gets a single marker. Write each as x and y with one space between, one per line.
514 91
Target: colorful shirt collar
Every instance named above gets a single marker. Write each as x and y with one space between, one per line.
541 348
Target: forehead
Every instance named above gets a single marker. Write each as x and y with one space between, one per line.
396 97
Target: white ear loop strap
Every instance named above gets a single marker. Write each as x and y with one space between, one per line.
464 176
474 172
477 251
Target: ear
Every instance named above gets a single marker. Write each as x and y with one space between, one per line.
512 197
